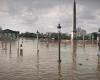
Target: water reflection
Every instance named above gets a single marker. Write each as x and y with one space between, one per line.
38 59
59 71
10 45
20 56
44 66
21 50
4 45
18 47
74 56
98 64
98 67
4 51
47 44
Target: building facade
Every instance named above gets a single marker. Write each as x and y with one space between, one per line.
8 34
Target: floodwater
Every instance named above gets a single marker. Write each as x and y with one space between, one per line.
79 62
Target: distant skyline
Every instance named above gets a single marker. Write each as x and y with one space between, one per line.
45 15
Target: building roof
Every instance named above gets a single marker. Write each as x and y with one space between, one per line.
9 31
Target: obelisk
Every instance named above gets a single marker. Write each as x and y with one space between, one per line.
73 36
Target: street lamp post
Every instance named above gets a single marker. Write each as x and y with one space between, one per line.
37 41
99 43
59 38
99 38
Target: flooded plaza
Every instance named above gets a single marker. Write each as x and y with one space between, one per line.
79 62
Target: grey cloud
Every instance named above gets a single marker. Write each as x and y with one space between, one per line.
87 14
34 12
92 4
15 6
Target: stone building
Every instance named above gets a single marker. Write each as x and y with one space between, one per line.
8 34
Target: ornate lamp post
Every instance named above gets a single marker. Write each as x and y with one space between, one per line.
59 38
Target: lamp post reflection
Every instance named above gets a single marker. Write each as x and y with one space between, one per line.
59 71
38 66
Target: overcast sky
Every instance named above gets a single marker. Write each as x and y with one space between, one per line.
45 15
